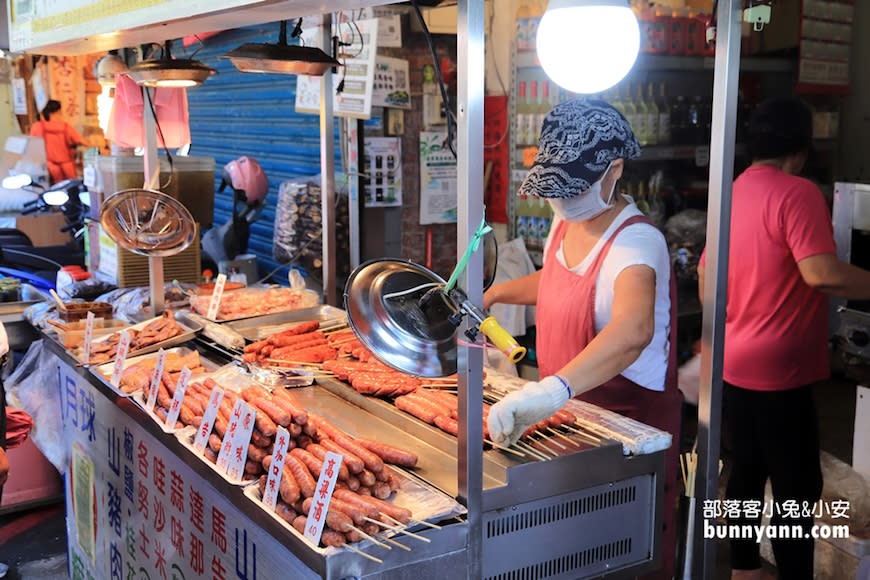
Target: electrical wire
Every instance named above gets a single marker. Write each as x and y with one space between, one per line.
411 290
163 139
451 131
497 76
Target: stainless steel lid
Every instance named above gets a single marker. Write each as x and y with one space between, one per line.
390 321
147 222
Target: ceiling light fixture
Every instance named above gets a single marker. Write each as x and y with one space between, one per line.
587 46
282 58
169 72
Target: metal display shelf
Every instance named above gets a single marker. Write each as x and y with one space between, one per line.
648 62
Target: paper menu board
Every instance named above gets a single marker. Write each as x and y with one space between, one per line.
357 72
382 163
438 182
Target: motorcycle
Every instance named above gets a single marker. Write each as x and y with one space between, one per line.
39 265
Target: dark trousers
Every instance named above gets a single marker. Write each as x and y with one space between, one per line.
774 435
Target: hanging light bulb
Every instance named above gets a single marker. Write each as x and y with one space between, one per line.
587 46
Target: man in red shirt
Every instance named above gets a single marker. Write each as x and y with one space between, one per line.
782 263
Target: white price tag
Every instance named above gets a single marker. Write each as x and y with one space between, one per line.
178 398
120 358
273 483
241 440
233 425
702 156
89 175
215 303
208 417
89 335
155 380
322 496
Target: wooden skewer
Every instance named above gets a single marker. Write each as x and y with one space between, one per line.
397 544
427 524
439 386
563 436
342 341
399 530
57 324
549 439
586 434
503 448
369 538
294 362
363 554
531 450
333 329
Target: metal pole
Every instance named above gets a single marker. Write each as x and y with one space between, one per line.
353 189
470 56
327 167
725 81
151 162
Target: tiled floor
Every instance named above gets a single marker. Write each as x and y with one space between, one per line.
33 543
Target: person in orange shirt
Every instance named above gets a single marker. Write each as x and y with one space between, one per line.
60 140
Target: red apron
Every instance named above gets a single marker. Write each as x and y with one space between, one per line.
566 324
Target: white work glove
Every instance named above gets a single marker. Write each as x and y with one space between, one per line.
509 418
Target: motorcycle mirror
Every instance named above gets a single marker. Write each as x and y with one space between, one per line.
16 181
85 198
55 198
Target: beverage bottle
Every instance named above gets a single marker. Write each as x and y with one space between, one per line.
678 121
642 131
630 113
664 136
532 116
616 101
543 107
652 116
523 113
695 122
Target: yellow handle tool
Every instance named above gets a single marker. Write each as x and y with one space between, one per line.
502 339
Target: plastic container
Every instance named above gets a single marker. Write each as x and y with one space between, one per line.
248 302
79 310
191 182
679 33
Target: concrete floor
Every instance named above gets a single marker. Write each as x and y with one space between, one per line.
33 543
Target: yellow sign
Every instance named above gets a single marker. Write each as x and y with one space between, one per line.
95 11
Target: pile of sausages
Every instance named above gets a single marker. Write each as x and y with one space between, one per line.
303 343
364 483
162 328
372 378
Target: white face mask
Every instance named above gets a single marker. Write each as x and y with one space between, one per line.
585 206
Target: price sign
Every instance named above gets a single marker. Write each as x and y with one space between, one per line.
89 335
233 425
120 358
322 496
178 398
89 176
702 156
215 303
155 380
208 417
241 440
276 469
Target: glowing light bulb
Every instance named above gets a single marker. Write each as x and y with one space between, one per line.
587 46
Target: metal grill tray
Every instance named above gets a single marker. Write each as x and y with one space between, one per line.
189 328
260 327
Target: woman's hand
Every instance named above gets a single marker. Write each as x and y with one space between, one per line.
509 418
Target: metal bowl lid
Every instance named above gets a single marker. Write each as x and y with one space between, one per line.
147 222
390 321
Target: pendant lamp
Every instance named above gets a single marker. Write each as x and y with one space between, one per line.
170 72
587 46
281 58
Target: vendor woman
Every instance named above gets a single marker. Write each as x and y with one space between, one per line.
605 298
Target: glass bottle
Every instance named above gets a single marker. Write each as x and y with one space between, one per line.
642 130
652 116
664 136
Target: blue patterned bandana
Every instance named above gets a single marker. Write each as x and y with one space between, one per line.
579 139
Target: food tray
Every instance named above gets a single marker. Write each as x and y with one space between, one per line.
189 327
72 339
258 328
12 311
425 502
186 436
253 302
104 371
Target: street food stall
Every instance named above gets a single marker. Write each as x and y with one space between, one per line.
174 427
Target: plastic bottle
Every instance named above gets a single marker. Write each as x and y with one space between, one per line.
660 31
616 101
532 116
642 130
695 35
652 116
523 112
543 107
645 20
630 113
664 126
678 121
695 122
